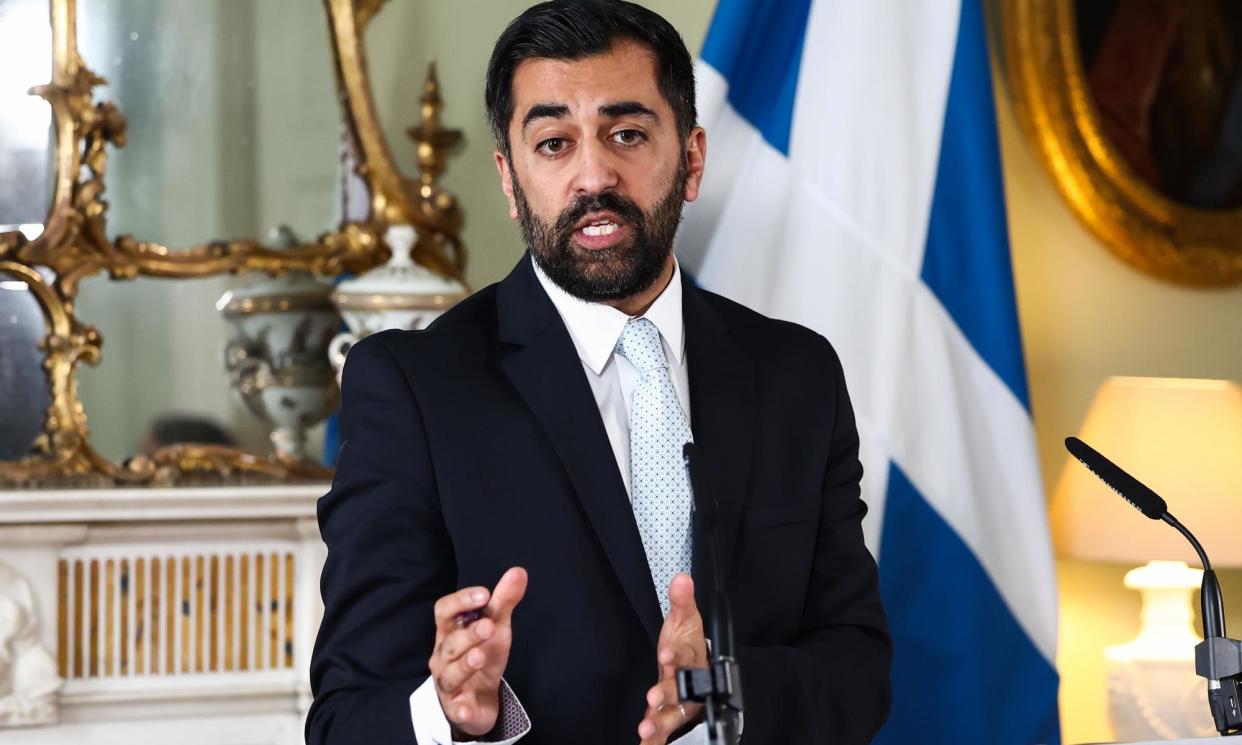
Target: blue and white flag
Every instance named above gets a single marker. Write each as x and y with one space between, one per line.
854 186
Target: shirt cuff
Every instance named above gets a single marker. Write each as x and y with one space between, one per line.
431 726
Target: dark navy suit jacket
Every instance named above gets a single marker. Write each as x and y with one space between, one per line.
476 445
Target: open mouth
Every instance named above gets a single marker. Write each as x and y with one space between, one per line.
605 227
600 230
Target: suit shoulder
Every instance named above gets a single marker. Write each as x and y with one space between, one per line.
475 311
463 326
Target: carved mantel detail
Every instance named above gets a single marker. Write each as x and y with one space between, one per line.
29 684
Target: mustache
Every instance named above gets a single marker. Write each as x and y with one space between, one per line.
608 201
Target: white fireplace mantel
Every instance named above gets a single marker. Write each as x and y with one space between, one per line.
144 505
170 613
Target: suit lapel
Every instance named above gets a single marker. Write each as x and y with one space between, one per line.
540 360
722 411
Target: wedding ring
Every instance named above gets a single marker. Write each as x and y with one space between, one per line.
680 707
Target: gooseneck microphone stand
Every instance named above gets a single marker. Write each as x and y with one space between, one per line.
719 686
1217 658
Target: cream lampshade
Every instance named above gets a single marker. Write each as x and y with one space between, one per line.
1183 438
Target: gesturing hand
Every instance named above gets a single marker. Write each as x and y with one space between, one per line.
682 645
467 663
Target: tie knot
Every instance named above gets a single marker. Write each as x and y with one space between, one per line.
640 344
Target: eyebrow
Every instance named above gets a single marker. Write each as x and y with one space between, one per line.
545 110
610 110
627 108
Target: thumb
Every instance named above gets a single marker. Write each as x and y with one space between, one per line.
681 598
508 593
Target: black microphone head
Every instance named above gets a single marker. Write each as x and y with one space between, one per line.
1131 489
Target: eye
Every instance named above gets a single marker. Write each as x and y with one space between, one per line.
628 137
552 146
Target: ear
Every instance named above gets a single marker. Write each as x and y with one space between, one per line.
506 182
696 158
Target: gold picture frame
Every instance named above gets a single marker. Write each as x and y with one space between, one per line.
74 245
1136 222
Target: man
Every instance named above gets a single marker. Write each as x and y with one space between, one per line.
530 442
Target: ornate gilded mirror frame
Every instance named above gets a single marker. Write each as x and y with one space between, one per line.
432 211
74 245
1142 226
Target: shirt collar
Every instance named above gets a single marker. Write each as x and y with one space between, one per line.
596 327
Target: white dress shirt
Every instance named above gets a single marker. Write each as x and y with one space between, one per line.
595 329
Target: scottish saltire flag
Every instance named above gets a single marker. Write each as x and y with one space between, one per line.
854 186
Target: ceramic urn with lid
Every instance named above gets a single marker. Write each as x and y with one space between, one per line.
398 295
277 363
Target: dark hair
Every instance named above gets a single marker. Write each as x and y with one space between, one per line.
574 29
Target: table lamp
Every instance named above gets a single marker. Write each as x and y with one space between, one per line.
1183 438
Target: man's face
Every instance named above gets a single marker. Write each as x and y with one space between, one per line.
597 172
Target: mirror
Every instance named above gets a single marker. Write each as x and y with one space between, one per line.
178 368
25 120
24 393
214 163
1164 77
233 121
162 379
233 128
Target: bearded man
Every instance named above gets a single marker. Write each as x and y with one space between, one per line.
512 551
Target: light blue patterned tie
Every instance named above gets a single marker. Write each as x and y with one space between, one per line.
658 431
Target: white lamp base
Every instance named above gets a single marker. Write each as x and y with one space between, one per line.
1153 692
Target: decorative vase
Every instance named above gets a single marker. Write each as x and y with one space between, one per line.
398 295
278 363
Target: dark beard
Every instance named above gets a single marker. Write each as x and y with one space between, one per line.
611 273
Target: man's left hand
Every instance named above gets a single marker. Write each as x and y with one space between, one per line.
682 645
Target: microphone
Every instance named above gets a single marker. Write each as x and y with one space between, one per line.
1216 658
1153 506
719 686
1131 489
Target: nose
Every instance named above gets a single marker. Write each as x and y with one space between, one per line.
596 171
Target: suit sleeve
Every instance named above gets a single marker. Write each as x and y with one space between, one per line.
389 559
831 683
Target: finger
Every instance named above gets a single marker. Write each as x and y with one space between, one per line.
467 714
659 724
665 711
662 693
463 640
508 593
447 607
455 674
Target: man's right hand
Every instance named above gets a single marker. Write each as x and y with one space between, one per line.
467 663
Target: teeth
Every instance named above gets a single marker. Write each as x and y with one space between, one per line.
607 228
